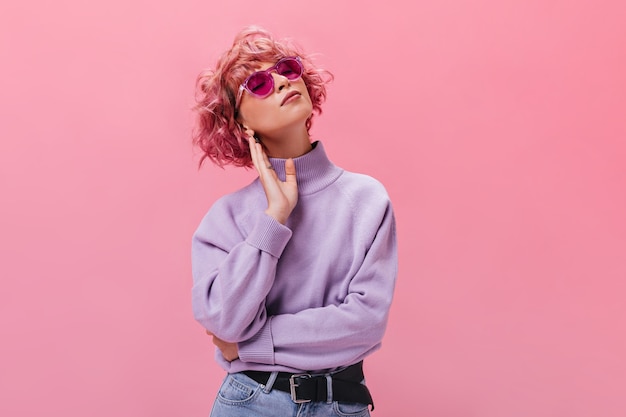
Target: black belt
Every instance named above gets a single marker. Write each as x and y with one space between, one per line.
304 388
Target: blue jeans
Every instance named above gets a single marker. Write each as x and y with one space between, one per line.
240 396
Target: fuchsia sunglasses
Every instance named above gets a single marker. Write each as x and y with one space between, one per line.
261 83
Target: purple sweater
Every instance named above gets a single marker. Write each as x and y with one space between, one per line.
310 295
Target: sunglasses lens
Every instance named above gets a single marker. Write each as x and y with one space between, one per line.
260 84
289 68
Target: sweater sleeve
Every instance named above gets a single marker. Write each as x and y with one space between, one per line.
233 272
335 335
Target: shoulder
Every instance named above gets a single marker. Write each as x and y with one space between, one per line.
369 203
363 187
232 210
367 199
237 199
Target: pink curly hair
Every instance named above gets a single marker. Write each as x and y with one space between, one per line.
218 134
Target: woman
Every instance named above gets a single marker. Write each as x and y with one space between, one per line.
294 273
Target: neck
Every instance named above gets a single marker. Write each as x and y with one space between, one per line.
314 170
289 143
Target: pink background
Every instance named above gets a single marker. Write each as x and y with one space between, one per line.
497 126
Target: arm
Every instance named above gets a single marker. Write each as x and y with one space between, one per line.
233 273
335 335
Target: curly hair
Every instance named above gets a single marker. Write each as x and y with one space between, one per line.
218 134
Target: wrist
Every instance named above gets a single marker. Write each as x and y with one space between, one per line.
279 217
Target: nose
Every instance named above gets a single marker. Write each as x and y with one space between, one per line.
280 81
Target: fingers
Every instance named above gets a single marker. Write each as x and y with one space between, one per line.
262 164
260 160
266 161
282 196
254 154
253 149
230 351
216 340
250 133
290 171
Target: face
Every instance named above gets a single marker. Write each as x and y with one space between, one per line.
287 107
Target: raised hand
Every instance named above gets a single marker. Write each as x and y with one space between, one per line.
282 196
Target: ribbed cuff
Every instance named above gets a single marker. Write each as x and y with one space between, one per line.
260 348
269 235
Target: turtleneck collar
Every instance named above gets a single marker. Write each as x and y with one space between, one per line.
314 171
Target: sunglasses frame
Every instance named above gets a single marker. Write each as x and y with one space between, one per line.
244 85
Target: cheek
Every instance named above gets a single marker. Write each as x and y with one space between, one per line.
308 98
253 112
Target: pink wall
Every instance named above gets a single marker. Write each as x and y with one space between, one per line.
498 127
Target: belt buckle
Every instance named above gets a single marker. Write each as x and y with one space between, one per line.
293 385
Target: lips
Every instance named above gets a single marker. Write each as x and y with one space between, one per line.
288 96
